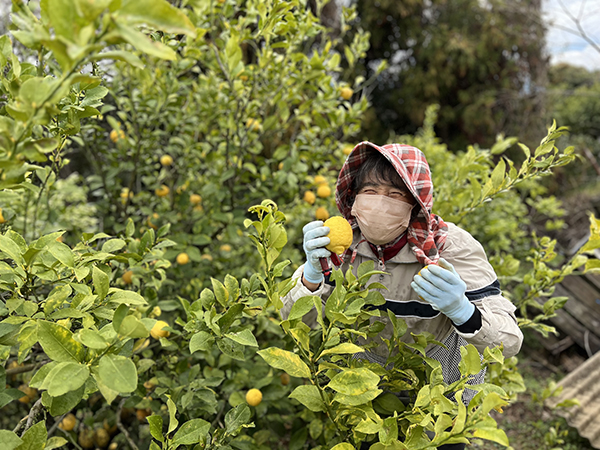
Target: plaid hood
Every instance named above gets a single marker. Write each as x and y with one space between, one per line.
427 232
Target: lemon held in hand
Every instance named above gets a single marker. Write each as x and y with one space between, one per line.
254 397
340 234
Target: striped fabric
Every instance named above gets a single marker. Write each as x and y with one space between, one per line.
427 232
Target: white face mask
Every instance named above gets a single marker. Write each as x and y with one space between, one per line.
381 219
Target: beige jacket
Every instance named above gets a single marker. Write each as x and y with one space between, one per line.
499 324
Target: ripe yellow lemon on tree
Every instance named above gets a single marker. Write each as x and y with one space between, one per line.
68 423
195 199
285 379
166 160
347 149
2 219
182 258
254 397
320 179
253 124
340 234
157 331
324 191
346 93
162 191
114 135
321 213
127 277
225 248
310 197
206 257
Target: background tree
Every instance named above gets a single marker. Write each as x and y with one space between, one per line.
482 62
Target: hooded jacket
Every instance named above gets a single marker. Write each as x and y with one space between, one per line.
428 238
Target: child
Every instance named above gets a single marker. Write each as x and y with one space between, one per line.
386 194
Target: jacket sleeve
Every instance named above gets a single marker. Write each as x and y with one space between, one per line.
498 320
299 291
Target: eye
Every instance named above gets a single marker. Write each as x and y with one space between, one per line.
369 191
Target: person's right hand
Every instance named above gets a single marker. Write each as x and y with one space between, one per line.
314 247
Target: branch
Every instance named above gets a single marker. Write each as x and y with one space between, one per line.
122 428
33 412
26 368
577 22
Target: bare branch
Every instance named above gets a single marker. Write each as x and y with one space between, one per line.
122 428
581 31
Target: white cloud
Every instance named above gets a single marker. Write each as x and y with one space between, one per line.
567 46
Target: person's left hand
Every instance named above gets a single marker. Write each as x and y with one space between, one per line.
442 287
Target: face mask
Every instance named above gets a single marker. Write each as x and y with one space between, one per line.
381 219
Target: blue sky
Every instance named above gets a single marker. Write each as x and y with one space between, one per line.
565 46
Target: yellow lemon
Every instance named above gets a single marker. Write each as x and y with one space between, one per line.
320 179
162 191
114 135
280 166
157 331
254 397
86 438
101 437
166 160
127 277
198 208
206 257
340 234
310 197
253 124
226 248
113 446
346 93
2 219
195 199
321 213
347 149
68 423
285 379
182 258
324 191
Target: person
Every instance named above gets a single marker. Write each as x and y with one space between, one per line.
437 275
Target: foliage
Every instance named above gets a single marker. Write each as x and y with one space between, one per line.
482 62
209 109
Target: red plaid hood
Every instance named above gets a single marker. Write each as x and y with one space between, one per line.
427 232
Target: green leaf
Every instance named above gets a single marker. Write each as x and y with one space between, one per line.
192 432
244 337
55 442
301 307
118 373
346 347
470 363
66 377
61 252
286 361
58 343
492 434
343 446
309 396
220 291
57 406
57 298
101 282
158 13
35 438
126 297
236 418
354 381
173 422
11 249
357 400
141 42
201 341
156 427
92 339
112 245
10 440
132 327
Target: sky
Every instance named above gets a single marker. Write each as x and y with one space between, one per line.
564 46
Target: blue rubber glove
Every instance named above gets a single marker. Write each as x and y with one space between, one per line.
314 247
442 287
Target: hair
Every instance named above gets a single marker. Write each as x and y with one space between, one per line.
376 168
